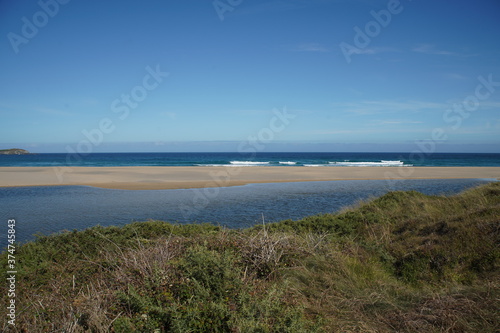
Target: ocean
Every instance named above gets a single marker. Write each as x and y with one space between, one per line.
259 159
52 209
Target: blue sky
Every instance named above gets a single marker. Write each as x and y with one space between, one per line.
354 75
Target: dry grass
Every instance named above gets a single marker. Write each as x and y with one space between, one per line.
404 262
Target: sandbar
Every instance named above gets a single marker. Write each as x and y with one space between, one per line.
157 178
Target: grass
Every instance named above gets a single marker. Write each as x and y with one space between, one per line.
403 262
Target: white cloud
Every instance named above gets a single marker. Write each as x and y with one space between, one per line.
311 47
431 49
489 105
365 131
398 122
171 115
9 107
381 107
329 132
280 6
52 112
91 101
455 76
375 50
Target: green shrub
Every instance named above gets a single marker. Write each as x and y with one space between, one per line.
355 271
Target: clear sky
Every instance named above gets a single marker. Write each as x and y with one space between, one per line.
298 75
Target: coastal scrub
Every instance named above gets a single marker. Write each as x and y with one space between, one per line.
403 262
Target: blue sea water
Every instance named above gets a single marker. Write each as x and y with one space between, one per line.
53 209
259 159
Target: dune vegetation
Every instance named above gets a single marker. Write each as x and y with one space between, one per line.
403 262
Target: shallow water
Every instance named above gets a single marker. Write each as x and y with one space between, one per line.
52 209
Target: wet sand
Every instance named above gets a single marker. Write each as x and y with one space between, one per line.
155 178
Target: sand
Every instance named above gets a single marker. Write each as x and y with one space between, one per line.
155 178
